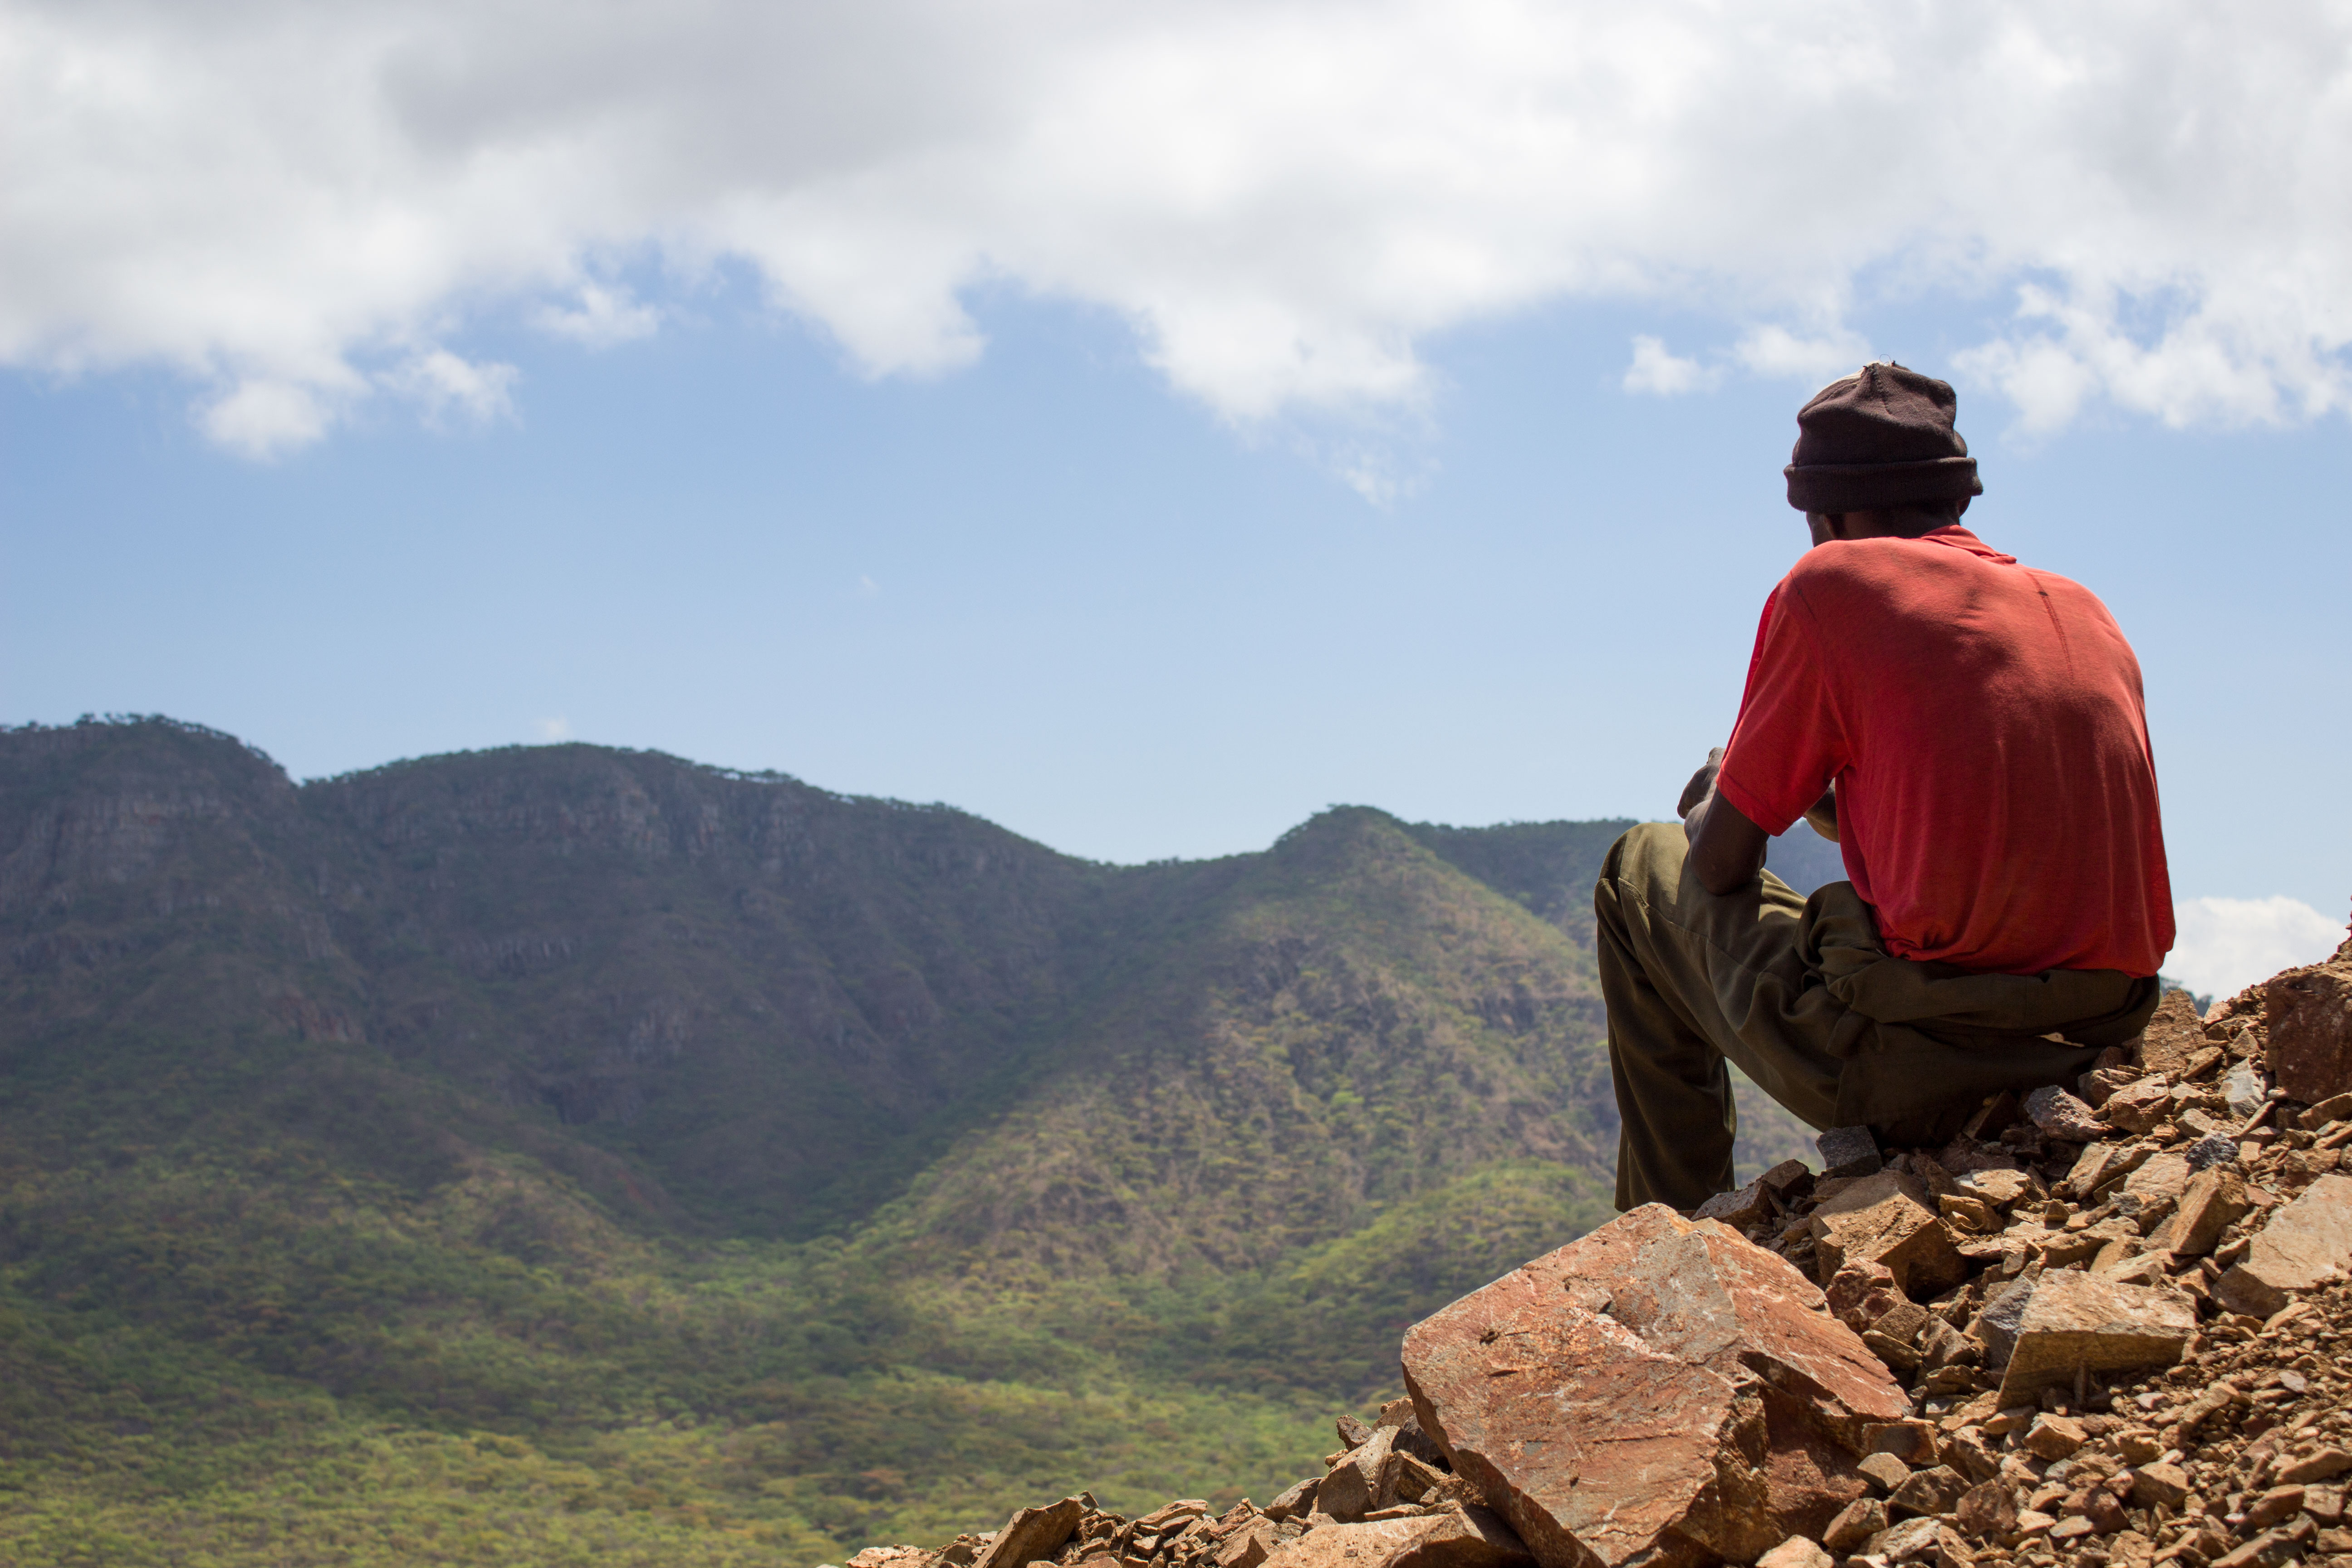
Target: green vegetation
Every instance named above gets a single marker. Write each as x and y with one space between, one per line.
540 1157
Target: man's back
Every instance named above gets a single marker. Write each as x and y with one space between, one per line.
1997 802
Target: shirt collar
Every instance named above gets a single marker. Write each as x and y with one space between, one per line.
1959 538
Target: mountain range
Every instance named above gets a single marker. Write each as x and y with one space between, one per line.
573 1151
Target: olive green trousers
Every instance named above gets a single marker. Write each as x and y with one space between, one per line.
1799 992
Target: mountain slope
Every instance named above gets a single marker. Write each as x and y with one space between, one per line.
746 1148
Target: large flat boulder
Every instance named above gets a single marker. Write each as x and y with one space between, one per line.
2307 1242
1659 1392
1705 1294
2074 1323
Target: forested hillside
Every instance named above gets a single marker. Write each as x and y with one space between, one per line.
561 1153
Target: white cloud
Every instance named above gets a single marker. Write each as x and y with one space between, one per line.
1656 371
2227 944
301 205
445 384
555 730
601 317
1819 359
262 418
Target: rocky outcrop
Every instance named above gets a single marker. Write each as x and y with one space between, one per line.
2022 1349
1661 1391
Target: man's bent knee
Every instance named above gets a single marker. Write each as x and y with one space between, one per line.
1647 856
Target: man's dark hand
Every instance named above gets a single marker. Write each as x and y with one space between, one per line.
1702 783
1726 851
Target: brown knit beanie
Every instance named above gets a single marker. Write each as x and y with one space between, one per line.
1881 437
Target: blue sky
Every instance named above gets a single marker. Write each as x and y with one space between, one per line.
1140 551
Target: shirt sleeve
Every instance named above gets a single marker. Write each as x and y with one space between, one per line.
1788 741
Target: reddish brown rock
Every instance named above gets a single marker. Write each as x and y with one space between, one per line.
1986 1510
1739 1208
1881 1219
890 1557
2335 1109
2323 1465
2061 1115
1660 1390
1355 1486
1250 1545
2075 1324
2054 1436
1999 1187
1702 1294
2308 1241
1796 1552
1032 1533
2173 1036
1860 1520
2213 1198
2136 1107
2307 1014
1596 1448
1457 1538
1937 1490
1296 1501
1859 1294
1887 1472
2159 1485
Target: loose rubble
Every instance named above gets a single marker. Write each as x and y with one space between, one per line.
2103 1327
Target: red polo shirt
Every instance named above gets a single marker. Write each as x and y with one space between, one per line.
1984 724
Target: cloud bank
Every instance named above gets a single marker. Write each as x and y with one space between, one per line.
303 207
2226 945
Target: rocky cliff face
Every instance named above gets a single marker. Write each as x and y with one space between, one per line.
780 1008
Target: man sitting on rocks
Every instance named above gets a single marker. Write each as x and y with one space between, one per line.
1971 733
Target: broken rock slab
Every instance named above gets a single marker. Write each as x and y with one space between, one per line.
2173 1035
2136 1107
1296 1500
1354 1488
2307 1014
2074 1323
2215 1196
1662 1391
1849 1152
2243 1091
1738 1208
1597 1449
2061 1115
1796 1552
1457 1538
2306 1242
1032 1533
2162 1178
1998 1187
890 1557
1882 1219
1705 1295
1250 1545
